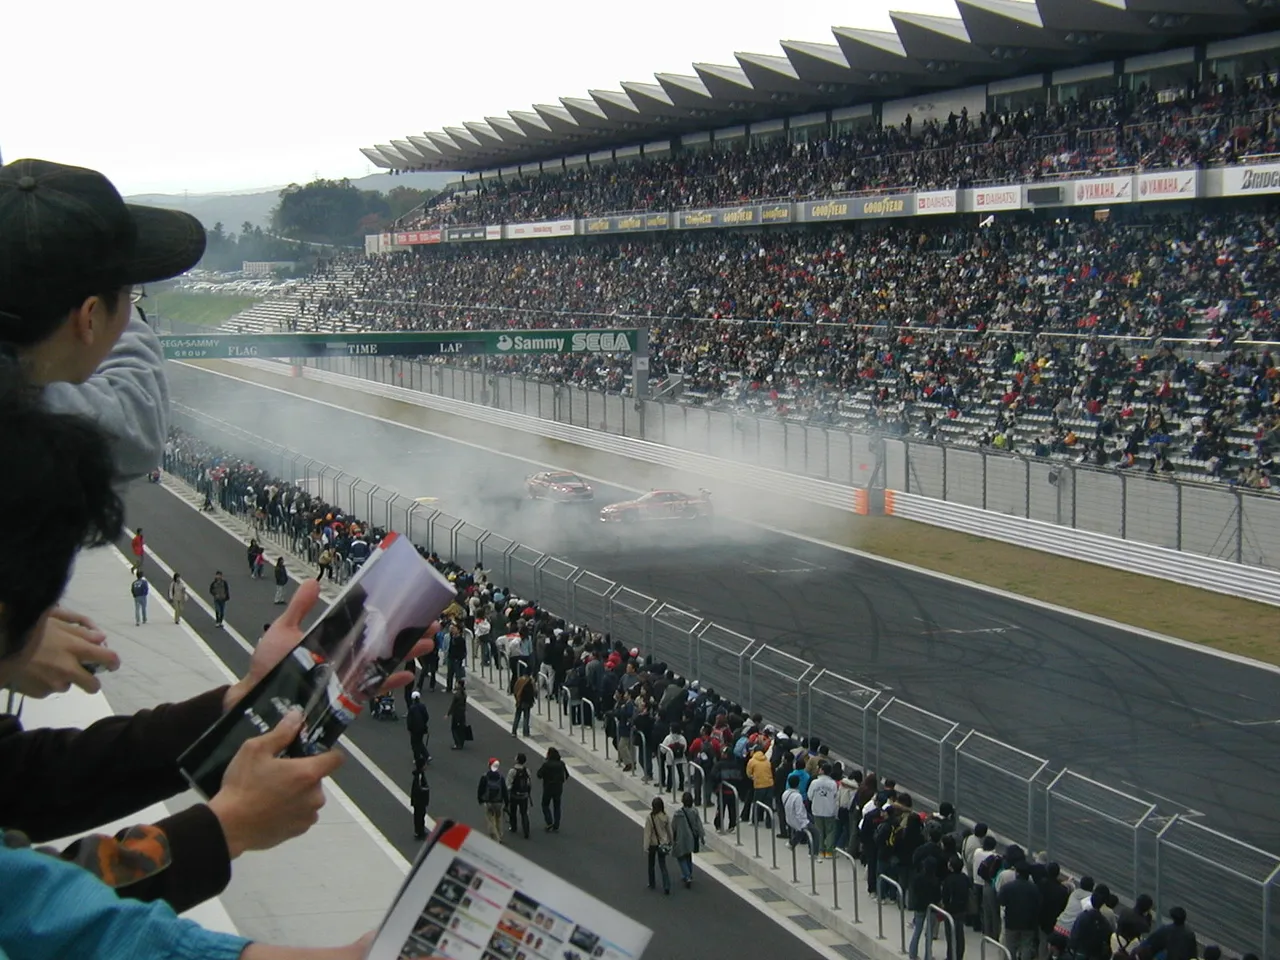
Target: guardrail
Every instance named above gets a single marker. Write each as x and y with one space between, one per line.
1250 582
1087 826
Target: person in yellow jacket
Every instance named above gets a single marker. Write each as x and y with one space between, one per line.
760 773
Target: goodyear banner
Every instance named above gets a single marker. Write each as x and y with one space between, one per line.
432 343
858 208
722 217
628 223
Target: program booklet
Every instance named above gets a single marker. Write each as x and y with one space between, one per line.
469 898
342 661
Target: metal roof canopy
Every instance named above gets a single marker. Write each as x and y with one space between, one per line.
924 53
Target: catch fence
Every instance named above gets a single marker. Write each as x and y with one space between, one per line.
1228 887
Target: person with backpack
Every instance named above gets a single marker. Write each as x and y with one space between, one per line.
519 789
220 591
1091 933
282 580
688 837
253 552
492 795
526 694
986 864
139 588
324 564
554 774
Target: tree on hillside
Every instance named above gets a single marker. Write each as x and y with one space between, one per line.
337 212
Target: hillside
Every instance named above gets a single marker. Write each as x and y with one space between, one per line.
255 206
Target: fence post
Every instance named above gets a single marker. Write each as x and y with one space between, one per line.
946 918
755 826
982 948
881 880
835 877
1266 912
1124 507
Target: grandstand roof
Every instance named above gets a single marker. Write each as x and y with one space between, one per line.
989 39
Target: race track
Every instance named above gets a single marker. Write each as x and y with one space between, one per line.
1194 732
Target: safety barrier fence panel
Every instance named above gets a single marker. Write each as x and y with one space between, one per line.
675 635
1228 887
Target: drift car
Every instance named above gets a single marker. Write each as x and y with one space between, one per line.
559 486
660 505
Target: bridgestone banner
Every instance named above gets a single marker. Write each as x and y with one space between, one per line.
1247 181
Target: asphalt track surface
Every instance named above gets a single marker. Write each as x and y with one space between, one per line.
1194 732
598 849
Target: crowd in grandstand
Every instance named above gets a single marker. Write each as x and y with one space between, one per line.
1213 122
683 735
902 327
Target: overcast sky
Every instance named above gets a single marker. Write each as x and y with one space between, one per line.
232 94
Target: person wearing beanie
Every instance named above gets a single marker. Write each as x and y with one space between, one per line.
492 795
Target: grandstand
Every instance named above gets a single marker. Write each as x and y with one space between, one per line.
1001 277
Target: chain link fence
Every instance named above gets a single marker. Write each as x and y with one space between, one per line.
1228 888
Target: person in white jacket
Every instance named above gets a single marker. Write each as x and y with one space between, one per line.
824 801
795 812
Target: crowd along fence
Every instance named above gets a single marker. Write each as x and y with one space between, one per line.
1088 827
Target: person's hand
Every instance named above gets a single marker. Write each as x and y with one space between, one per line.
286 633
66 643
266 799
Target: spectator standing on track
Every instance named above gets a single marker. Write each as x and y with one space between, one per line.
554 774
795 813
139 547
177 597
526 692
282 580
1054 894
688 836
220 591
420 798
760 773
492 795
657 842
253 553
519 789
418 722
139 588
824 806
925 889
956 887
457 656
324 564
1175 940
1021 901
457 714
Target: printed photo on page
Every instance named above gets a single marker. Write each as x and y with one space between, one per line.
469 898
342 661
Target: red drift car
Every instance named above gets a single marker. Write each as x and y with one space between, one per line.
559 486
660 505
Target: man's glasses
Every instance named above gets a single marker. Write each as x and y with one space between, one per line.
138 295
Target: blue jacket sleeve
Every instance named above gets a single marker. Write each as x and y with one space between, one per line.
52 909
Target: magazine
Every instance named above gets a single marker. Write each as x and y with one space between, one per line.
469 898
342 661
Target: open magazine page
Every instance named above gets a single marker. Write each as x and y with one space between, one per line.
344 658
469 898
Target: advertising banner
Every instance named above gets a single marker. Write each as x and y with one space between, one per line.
722 217
425 343
776 213
463 234
534 231
995 199
876 208
1247 181
934 202
627 223
819 210
493 233
1169 185
415 238
1103 190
